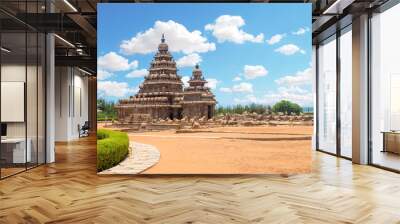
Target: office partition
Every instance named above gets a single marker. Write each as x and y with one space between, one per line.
22 77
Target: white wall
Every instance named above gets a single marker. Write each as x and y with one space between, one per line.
71 94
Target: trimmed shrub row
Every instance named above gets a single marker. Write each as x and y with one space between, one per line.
112 148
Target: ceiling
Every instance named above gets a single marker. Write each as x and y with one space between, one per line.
75 22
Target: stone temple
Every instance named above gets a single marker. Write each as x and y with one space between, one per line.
162 96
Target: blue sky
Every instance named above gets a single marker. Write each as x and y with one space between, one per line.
250 53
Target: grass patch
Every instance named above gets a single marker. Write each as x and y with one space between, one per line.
112 148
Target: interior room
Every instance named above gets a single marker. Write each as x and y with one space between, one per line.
44 96
48 106
22 99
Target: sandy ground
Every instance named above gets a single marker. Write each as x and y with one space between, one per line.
231 150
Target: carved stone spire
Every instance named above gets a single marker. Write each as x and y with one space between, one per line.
163 38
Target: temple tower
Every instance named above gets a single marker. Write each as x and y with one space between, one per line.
160 94
198 100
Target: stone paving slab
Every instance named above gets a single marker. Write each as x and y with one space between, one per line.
141 157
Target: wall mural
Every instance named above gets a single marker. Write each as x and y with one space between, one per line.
204 88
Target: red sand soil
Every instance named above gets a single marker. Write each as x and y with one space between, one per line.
231 150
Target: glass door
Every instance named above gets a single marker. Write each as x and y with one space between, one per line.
22 101
327 95
346 92
385 89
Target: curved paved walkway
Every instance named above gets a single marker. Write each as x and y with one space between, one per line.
143 157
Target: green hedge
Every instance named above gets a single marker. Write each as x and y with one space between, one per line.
112 148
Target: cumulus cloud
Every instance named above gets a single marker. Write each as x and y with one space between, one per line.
228 28
185 80
115 89
275 39
301 31
114 62
289 49
103 75
189 60
237 79
225 90
303 77
254 71
243 87
178 37
137 73
212 83
295 94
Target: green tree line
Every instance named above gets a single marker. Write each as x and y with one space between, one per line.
106 110
283 106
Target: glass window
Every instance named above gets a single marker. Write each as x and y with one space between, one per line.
13 86
346 93
327 95
385 89
22 91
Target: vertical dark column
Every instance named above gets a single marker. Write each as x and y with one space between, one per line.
26 86
338 76
37 89
316 109
1 165
369 90
360 90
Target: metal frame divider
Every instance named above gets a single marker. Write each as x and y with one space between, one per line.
338 153
338 76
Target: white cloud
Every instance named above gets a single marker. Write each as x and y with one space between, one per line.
289 89
115 89
289 49
275 39
178 38
300 78
227 28
237 79
189 60
114 62
185 80
301 31
243 87
254 71
225 90
212 83
137 73
297 95
103 75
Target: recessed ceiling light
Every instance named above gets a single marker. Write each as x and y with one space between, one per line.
84 71
64 40
70 5
5 50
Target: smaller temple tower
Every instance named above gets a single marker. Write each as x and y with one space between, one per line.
198 100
